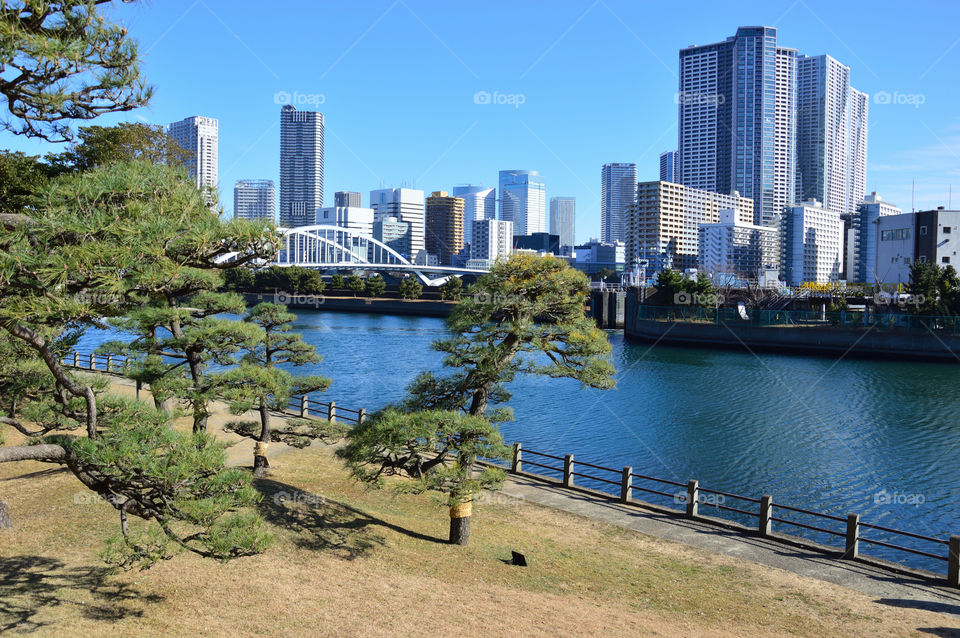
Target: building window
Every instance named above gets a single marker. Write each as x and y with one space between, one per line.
946 230
945 260
923 231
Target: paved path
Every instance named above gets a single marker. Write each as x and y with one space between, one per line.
888 587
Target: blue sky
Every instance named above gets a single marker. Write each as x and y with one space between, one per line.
581 83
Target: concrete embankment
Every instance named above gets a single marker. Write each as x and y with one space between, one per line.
868 341
415 307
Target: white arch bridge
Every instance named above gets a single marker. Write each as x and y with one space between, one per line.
325 247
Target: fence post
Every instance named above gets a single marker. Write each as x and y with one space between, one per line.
766 511
93 362
109 363
332 412
693 497
517 464
361 416
953 562
853 536
139 385
76 359
626 484
304 406
568 470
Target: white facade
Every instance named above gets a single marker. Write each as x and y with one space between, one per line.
664 225
931 236
254 199
523 201
478 203
492 239
812 244
407 205
301 166
831 135
200 136
349 217
601 252
734 247
618 189
562 215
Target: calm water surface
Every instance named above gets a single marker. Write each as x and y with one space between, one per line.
875 437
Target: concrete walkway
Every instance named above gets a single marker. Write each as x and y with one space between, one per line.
887 587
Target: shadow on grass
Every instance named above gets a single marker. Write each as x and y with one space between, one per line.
31 584
323 524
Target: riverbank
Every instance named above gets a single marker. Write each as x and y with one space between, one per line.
350 561
917 342
373 305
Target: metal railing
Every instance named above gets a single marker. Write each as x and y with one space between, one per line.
749 514
300 405
877 321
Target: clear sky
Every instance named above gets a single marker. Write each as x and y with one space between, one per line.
580 84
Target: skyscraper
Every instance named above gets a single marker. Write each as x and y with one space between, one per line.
406 205
562 211
444 226
347 199
737 119
254 199
831 135
200 136
478 203
301 166
618 190
669 166
523 201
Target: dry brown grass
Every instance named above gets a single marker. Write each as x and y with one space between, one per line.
352 562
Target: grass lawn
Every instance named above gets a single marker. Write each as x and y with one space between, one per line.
347 561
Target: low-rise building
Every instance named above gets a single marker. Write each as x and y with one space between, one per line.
734 250
349 217
492 239
931 236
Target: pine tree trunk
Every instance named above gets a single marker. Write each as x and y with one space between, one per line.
460 513
260 462
5 516
460 530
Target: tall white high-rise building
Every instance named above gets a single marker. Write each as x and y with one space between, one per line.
737 119
407 206
562 213
618 190
478 203
811 238
301 166
254 199
200 136
670 166
492 239
523 201
732 249
831 135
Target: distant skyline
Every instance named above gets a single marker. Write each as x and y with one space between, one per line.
586 84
